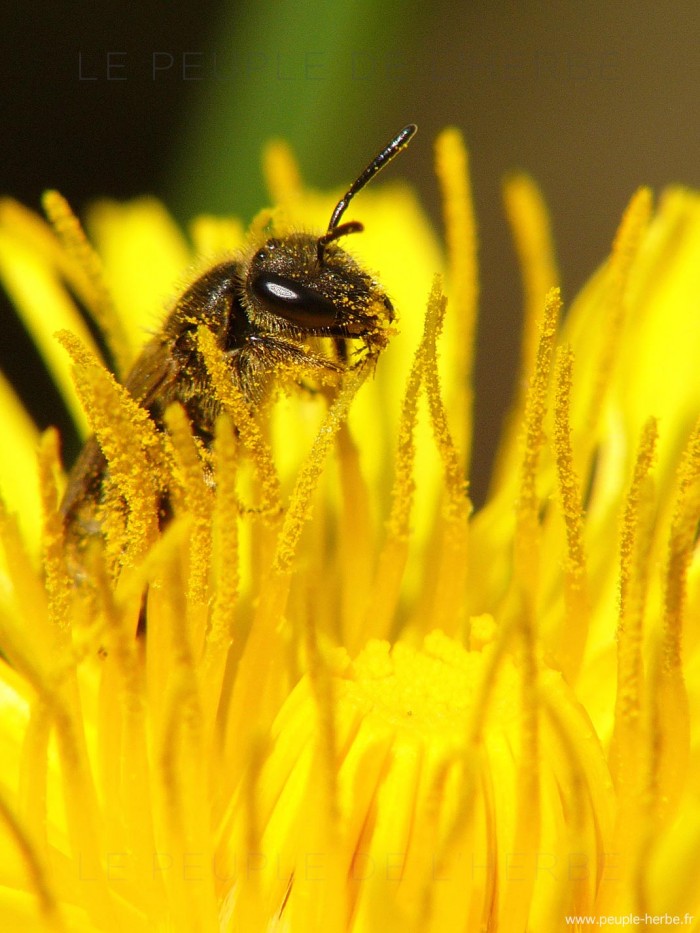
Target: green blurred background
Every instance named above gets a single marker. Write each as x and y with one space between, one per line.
177 100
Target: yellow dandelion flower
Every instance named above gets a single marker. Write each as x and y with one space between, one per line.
325 695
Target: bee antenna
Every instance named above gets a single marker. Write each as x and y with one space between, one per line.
392 149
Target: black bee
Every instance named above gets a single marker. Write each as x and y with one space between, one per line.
265 310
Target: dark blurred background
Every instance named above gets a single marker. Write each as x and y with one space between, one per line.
177 100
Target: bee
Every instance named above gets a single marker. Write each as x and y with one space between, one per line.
265 311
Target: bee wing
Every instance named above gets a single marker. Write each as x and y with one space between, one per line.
154 374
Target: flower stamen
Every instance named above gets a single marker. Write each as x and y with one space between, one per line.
574 631
452 170
91 284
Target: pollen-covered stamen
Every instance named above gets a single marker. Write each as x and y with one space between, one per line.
391 564
91 284
456 508
626 748
226 563
195 497
670 739
299 509
233 401
132 446
58 583
574 631
527 214
527 543
532 237
628 239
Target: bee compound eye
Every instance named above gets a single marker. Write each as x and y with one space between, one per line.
295 302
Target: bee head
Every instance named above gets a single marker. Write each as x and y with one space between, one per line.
313 285
287 287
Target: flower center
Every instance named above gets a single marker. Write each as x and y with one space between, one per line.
424 695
